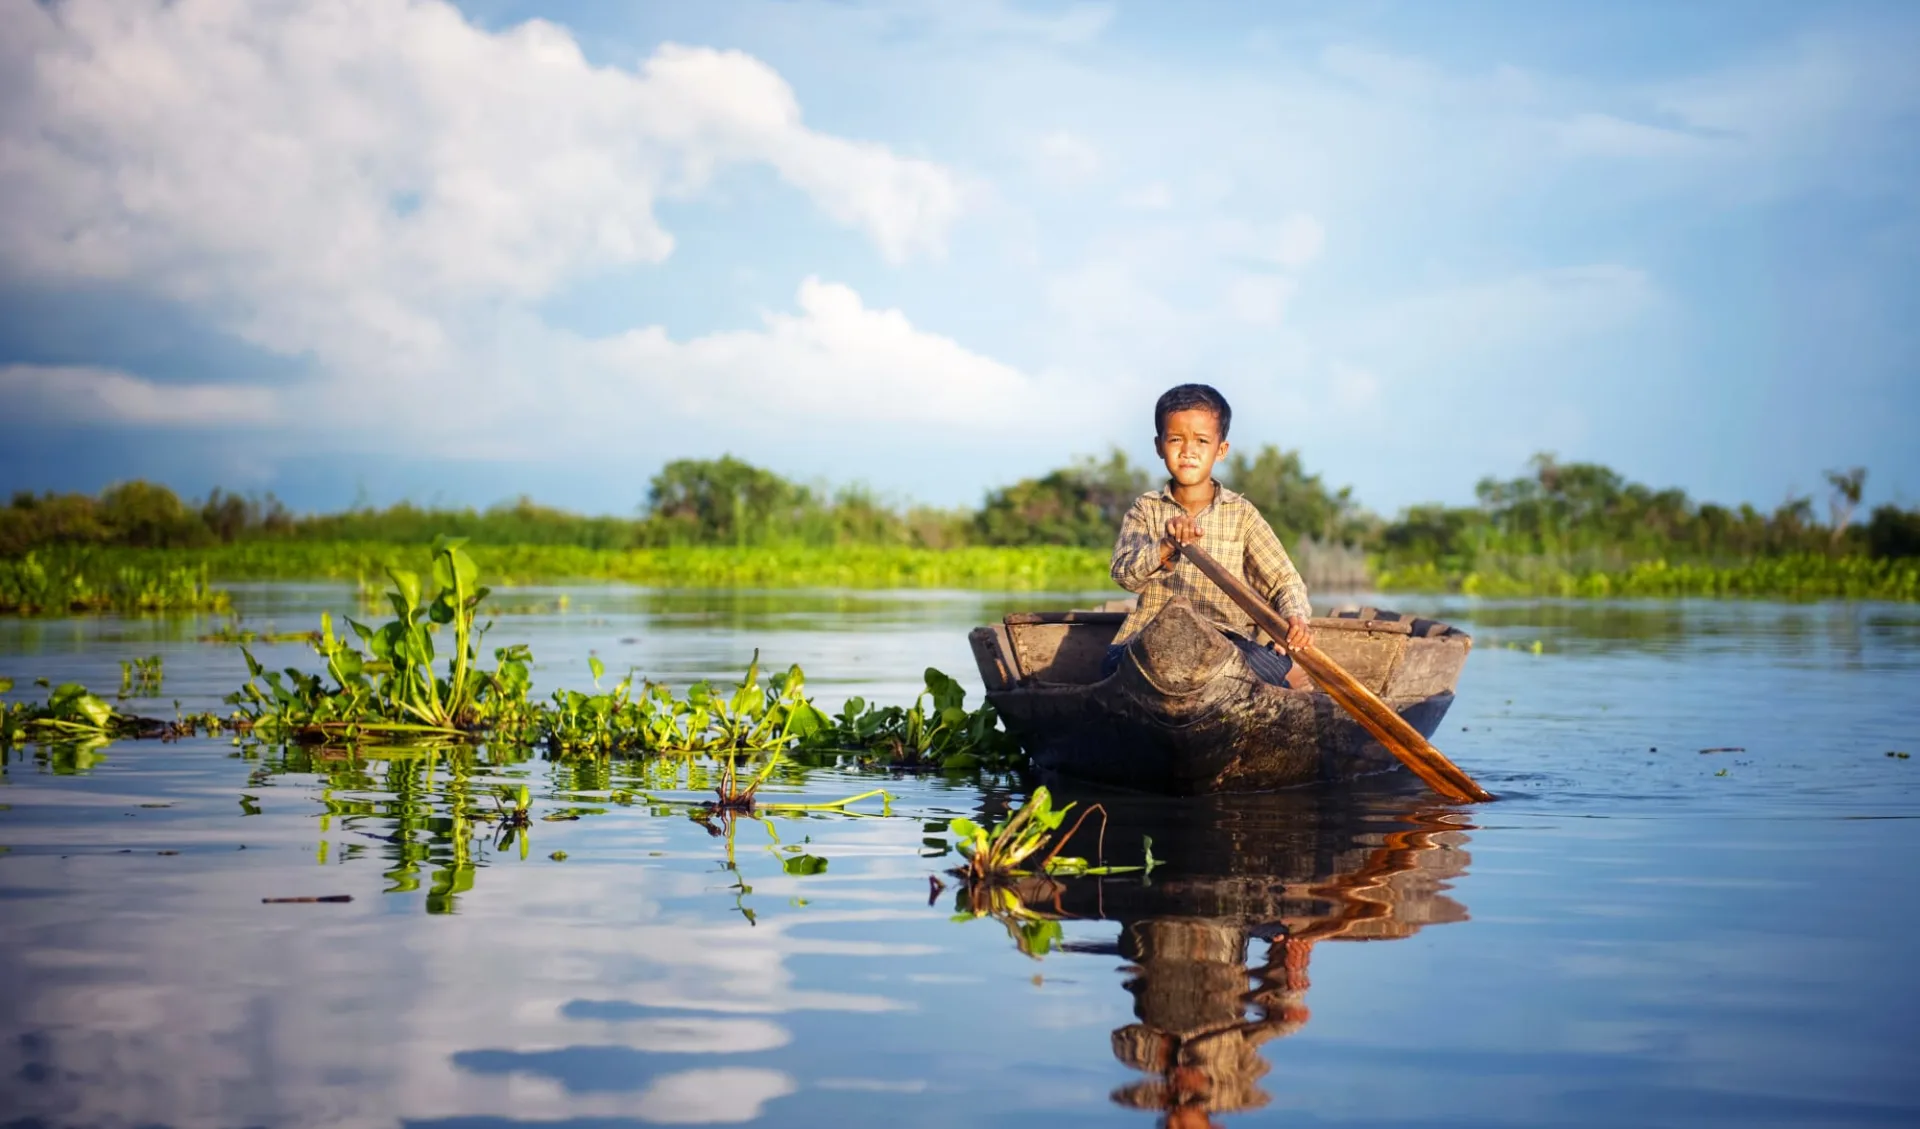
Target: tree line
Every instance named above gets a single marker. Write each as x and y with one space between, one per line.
1572 512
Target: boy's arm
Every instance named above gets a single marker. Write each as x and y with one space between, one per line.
1270 572
1137 552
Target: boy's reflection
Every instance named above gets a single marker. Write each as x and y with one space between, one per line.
1217 943
1200 1027
1204 1013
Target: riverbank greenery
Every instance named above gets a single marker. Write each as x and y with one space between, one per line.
60 580
1575 529
1800 577
1042 567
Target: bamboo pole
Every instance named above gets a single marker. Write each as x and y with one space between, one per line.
1378 718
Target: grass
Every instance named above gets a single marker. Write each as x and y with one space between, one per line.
1803 576
57 582
853 566
134 581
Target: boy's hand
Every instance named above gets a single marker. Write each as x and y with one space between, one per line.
1298 633
1182 530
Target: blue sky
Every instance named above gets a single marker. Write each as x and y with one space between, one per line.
375 249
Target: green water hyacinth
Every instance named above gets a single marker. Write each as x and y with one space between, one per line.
72 713
998 853
936 731
392 688
748 718
393 685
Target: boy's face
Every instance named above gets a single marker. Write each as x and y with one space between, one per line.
1191 444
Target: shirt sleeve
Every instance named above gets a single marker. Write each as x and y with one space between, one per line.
1136 553
1270 571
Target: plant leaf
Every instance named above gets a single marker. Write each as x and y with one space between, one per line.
408 586
804 865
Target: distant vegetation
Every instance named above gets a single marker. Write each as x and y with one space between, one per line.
1580 529
1050 567
1560 529
62 580
703 502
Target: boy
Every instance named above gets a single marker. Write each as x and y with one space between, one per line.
1190 434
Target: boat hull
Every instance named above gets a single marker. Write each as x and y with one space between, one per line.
1185 715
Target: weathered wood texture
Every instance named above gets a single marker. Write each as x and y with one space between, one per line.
1185 715
1104 617
993 654
1381 720
1390 656
1060 653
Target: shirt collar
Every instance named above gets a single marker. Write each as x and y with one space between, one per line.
1221 495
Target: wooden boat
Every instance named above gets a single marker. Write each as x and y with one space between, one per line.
1185 715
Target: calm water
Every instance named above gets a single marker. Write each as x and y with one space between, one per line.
1637 933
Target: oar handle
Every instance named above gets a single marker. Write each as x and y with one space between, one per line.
1378 718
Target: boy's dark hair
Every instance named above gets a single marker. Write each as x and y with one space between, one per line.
1187 397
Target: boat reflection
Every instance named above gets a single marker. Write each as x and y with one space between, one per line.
1218 941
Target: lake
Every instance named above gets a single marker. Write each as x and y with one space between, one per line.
1637 932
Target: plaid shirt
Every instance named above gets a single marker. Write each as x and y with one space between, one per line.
1234 533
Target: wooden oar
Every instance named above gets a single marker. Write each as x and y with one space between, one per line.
1387 727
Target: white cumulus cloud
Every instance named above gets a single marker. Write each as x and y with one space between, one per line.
88 395
365 182
834 358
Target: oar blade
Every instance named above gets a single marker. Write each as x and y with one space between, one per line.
1389 728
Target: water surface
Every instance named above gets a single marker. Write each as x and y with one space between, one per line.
1636 932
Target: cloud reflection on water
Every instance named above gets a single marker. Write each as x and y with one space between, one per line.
182 1000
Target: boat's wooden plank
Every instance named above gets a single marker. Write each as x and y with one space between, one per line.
1369 656
1004 641
1388 623
1060 652
994 656
1350 624
1429 666
1018 619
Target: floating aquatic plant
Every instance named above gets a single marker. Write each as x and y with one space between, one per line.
74 713
393 688
515 812
140 677
999 853
394 685
747 717
234 632
936 731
